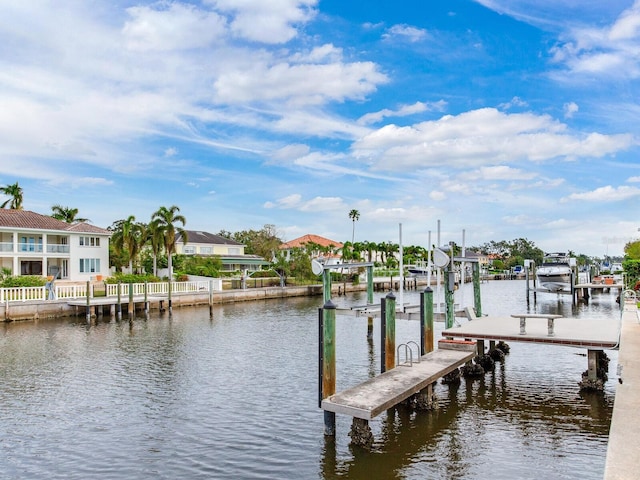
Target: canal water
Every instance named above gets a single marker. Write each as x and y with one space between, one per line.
235 396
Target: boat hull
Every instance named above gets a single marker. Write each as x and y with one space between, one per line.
554 279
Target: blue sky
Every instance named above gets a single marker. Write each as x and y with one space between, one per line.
508 119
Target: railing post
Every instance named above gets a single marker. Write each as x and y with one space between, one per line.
327 381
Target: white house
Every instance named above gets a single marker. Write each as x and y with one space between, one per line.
34 244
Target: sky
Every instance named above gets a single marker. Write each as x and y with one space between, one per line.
502 119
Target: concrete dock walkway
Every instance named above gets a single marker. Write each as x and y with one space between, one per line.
624 433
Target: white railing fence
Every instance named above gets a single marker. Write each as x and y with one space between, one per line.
60 292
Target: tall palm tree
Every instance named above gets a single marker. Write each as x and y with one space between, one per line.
155 237
354 215
15 192
128 236
66 214
166 219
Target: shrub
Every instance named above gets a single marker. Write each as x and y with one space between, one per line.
23 281
132 278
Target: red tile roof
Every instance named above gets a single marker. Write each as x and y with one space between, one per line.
310 238
10 218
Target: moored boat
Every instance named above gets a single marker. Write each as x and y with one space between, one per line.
555 272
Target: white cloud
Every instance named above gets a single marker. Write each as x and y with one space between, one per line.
171 26
412 34
569 109
309 84
482 137
317 204
271 21
605 194
633 179
403 111
607 51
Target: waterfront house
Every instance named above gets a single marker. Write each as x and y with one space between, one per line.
35 244
320 248
230 252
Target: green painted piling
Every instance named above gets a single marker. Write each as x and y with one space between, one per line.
477 301
449 281
388 331
370 284
326 285
426 315
327 318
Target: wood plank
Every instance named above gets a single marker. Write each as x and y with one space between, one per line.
380 393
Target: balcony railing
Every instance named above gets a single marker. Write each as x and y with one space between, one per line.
57 248
29 247
6 246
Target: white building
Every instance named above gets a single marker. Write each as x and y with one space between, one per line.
34 244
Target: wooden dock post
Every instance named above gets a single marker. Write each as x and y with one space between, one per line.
146 299
449 285
477 299
370 300
169 295
210 298
327 333
426 315
119 289
326 285
88 302
388 332
131 306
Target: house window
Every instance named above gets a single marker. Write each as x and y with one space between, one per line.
89 241
206 250
234 251
89 265
189 250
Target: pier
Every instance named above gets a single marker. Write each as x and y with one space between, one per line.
624 433
378 394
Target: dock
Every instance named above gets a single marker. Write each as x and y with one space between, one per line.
98 303
624 433
568 332
380 393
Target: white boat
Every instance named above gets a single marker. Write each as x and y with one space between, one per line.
555 272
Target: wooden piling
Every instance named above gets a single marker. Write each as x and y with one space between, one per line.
388 332
88 302
477 300
426 314
131 306
327 333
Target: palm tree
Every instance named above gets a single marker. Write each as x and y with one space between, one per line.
166 218
66 214
354 215
155 237
128 236
15 192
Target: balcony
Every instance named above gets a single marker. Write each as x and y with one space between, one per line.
29 247
57 248
6 246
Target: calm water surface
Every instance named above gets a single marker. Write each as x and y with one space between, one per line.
235 396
